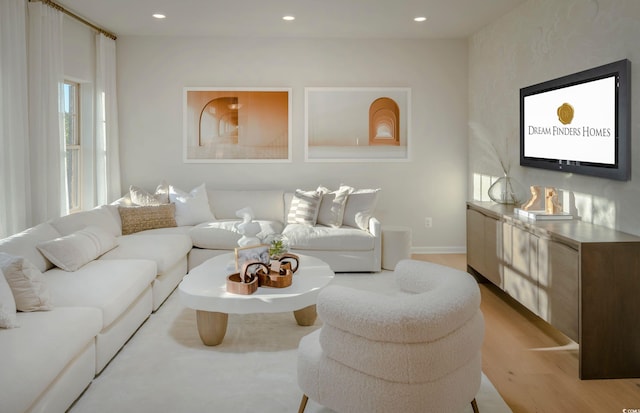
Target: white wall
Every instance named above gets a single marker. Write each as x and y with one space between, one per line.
539 41
152 72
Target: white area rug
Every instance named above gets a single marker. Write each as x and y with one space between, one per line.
166 368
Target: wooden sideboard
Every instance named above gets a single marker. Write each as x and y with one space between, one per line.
581 278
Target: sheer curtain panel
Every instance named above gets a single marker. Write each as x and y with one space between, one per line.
107 140
14 129
46 117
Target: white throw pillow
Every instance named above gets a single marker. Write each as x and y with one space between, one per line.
359 208
304 207
141 197
75 250
28 288
332 206
191 208
8 317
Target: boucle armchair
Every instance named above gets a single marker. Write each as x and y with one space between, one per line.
413 350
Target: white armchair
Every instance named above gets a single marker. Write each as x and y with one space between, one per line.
414 351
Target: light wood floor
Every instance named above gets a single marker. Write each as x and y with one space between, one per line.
533 366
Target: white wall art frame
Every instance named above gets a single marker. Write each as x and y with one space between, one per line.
226 124
357 124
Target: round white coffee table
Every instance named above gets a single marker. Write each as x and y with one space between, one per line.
204 290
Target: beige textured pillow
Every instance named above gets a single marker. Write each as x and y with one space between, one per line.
140 218
28 288
75 250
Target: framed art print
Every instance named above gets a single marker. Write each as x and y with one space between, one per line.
236 124
357 124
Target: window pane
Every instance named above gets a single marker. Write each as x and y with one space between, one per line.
72 142
73 179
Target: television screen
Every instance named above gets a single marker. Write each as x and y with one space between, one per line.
579 123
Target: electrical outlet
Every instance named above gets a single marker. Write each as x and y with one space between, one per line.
428 222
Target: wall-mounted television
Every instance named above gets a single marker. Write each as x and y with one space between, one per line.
580 123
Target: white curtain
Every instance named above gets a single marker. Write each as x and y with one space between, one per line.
107 140
15 214
46 117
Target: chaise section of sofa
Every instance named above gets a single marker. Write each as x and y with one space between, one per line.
48 360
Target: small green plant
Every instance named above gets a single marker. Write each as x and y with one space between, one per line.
278 246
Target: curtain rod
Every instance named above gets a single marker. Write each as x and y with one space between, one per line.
75 16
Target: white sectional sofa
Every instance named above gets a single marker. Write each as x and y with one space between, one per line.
116 281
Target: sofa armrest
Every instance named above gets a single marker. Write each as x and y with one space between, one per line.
375 228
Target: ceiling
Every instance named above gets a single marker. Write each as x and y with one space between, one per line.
314 18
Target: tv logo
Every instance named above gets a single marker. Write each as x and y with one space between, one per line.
565 113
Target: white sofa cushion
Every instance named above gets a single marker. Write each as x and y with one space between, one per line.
110 285
224 234
191 208
306 237
359 208
139 196
75 250
266 205
26 282
331 211
24 244
7 305
36 353
164 249
104 216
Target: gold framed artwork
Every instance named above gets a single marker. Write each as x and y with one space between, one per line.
236 124
357 124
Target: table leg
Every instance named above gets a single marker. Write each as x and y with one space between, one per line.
212 326
306 316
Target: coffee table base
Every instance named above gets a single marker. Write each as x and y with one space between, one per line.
212 326
306 316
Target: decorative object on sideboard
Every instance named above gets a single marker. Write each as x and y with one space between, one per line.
536 200
551 204
506 190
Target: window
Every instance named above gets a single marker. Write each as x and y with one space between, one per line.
72 144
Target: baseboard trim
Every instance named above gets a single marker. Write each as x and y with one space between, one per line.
438 250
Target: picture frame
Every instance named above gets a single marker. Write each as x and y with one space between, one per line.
237 125
252 253
357 124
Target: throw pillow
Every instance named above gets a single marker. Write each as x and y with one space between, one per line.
75 250
8 317
359 208
141 197
140 218
26 282
191 208
332 206
304 207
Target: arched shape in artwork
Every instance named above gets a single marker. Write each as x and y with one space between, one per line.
219 121
384 122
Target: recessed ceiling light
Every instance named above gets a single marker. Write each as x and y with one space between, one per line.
159 16
419 19
288 18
